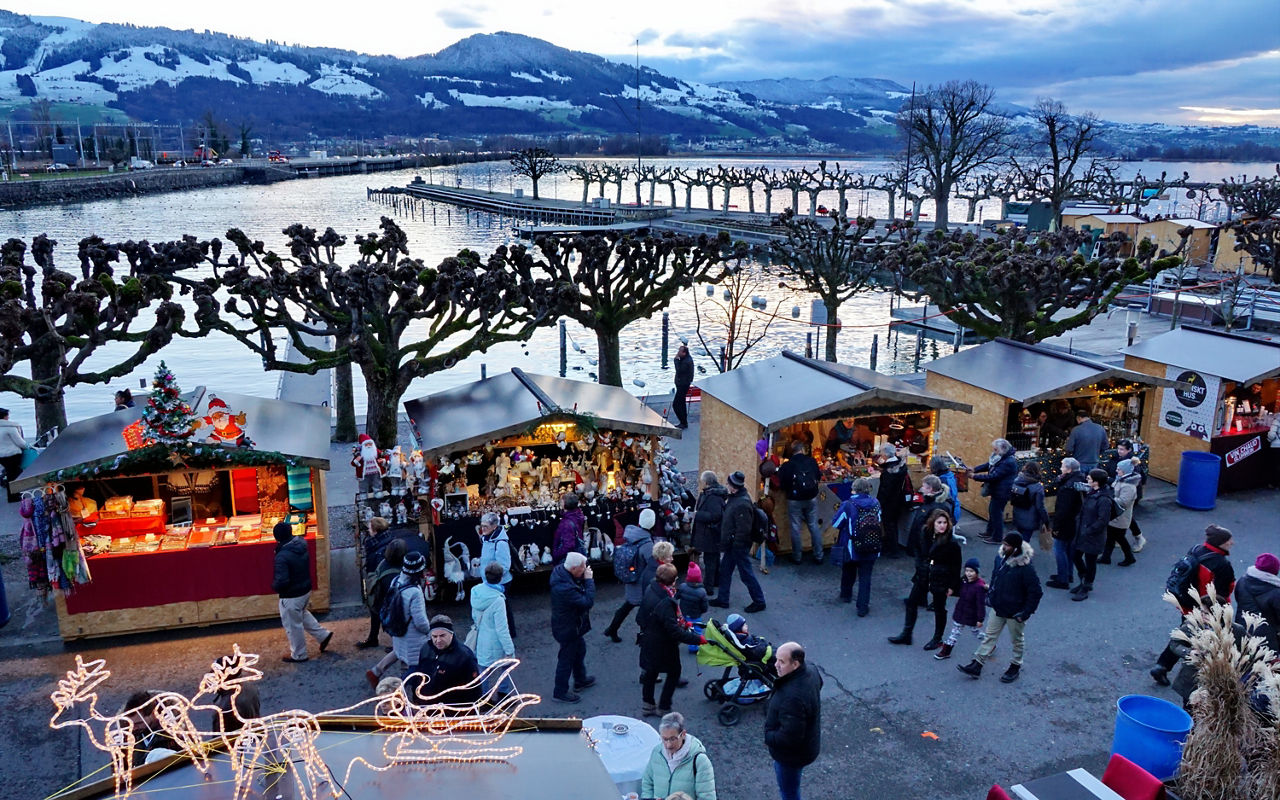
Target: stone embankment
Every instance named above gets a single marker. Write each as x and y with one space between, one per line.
19 194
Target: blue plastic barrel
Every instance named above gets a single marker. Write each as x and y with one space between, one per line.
1150 732
1198 480
4 605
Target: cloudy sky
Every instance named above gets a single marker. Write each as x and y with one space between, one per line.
1132 60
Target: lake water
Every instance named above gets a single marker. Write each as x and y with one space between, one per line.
340 202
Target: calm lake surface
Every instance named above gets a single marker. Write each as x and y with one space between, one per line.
340 202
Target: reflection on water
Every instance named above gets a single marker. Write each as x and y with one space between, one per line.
439 231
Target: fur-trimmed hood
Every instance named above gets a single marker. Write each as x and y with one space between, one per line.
1265 577
1020 559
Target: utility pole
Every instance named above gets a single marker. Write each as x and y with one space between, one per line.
80 143
638 148
906 177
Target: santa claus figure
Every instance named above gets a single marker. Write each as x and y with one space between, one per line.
416 474
396 464
370 465
228 428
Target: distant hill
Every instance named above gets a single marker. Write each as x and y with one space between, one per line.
501 83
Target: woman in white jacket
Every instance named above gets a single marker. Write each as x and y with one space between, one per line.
12 446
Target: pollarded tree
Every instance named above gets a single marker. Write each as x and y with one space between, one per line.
617 279
392 316
535 163
1014 284
952 131
827 258
1258 231
57 329
1058 169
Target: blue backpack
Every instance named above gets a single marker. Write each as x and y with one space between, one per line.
628 563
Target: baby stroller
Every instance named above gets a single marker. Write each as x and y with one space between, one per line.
752 663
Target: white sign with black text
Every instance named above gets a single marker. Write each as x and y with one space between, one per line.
1190 410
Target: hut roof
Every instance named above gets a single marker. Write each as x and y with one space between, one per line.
1243 359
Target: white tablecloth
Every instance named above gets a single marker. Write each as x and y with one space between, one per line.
625 755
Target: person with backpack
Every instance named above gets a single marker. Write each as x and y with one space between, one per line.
938 466
1205 568
571 531
800 477
893 493
1014 595
1069 490
742 525
1096 508
997 475
291 580
1027 498
634 565
1125 491
379 584
495 547
708 513
404 616
858 545
1259 593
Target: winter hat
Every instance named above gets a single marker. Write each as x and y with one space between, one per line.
1124 467
283 532
414 563
364 437
1014 540
738 479
648 519
1265 563
1216 535
973 564
736 623
440 622
693 574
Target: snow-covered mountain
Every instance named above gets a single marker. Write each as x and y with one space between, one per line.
502 83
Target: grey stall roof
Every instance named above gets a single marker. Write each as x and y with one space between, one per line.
1028 373
292 429
506 404
1242 359
790 388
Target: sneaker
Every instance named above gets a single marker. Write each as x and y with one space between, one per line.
1054 583
754 607
567 698
1160 675
649 710
973 669
324 643
1011 674
585 684
292 660
1081 595
1139 543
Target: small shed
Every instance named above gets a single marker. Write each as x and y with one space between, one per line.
1231 384
1226 258
1009 384
1164 234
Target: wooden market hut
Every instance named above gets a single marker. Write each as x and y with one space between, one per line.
1002 378
1164 234
763 399
183 538
1232 382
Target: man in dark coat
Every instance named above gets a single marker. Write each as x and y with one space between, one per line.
707 516
793 721
684 379
1213 573
800 477
735 542
573 593
444 663
662 630
998 473
291 580
892 495
1014 595
1259 593
1087 441
1069 490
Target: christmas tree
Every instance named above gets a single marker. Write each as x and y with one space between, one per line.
167 419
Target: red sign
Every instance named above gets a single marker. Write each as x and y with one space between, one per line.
1244 451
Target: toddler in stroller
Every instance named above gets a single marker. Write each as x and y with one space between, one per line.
748 663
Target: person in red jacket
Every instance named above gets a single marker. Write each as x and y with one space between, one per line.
1213 571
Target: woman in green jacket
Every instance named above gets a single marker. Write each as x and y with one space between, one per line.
679 764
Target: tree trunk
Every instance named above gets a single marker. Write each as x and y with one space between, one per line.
726 199
893 203
638 203
672 187
619 200
916 203
844 204
380 420
795 201
751 199
535 188
768 201
344 404
586 191
711 198
813 202
653 188
832 307
973 208
609 353
940 213
688 197
51 411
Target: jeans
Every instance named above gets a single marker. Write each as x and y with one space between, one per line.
1064 551
738 558
805 511
572 660
788 781
298 622
1087 566
995 624
859 572
995 517
648 680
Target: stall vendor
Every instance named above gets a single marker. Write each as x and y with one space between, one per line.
84 510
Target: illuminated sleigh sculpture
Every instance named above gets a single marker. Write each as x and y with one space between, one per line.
432 731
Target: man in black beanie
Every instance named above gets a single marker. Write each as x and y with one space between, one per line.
1211 570
1013 594
444 663
292 581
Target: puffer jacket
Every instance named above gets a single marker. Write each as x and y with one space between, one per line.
1259 593
971 607
999 475
1035 515
692 599
1125 491
633 534
693 774
739 518
292 576
1014 590
707 516
948 479
1095 516
568 539
571 601
489 612
11 441
408 647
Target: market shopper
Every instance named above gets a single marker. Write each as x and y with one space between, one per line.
1013 595
1125 452
573 593
938 466
489 616
640 538
678 764
12 446
1212 572
1125 492
495 547
1258 592
857 547
895 487
683 363
1087 441
379 585
292 582
444 663
708 513
735 543
1026 496
571 531
1069 491
937 576
793 720
407 590
800 478
662 629
1273 452
933 496
970 611
1091 531
997 475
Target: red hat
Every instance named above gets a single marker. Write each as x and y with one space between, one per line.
216 403
364 437
694 573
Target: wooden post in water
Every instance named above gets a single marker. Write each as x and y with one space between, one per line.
808 348
564 351
484 371
666 332
919 347
875 349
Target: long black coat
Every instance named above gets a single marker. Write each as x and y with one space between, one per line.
793 721
1259 592
946 562
707 516
1095 513
661 633
1066 510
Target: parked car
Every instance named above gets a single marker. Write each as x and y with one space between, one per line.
139 163
179 163
57 167
226 162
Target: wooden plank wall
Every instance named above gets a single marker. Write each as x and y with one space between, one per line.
1166 445
969 435
728 443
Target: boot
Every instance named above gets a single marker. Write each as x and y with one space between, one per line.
649 710
1160 675
1011 674
933 644
902 638
973 669
1083 594
944 652
1078 588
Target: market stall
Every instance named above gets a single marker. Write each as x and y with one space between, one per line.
791 398
1232 392
176 535
516 443
1028 394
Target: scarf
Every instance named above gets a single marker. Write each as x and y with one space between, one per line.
677 758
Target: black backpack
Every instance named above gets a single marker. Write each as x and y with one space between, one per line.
867 532
1020 495
760 524
804 484
1182 577
394 617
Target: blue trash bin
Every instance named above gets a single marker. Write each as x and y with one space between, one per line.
1150 732
1198 480
4 605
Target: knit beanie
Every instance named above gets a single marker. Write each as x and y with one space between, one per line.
974 564
441 623
1124 467
1217 535
1268 563
736 622
1014 540
693 574
648 519
414 563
